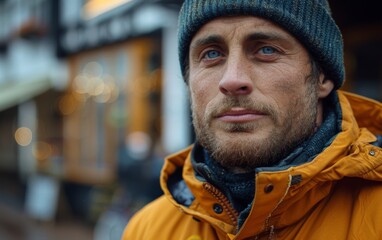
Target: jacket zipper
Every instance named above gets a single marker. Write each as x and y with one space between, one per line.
270 228
234 215
222 199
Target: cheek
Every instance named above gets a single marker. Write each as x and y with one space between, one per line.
201 93
287 96
289 80
198 103
283 84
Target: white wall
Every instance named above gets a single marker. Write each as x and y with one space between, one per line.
176 119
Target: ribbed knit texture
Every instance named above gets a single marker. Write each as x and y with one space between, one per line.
310 21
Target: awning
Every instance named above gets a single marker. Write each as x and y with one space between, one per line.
12 94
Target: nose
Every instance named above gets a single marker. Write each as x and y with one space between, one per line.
236 79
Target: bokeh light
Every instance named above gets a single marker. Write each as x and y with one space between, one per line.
93 83
42 151
23 136
68 104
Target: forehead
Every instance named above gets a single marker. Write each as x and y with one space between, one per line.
233 27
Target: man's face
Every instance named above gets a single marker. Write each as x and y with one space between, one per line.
252 99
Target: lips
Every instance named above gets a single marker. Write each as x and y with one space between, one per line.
240 115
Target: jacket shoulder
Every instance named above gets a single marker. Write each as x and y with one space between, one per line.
160 219
142 222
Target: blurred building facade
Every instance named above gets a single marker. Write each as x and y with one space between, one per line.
90 91
31 80
91 99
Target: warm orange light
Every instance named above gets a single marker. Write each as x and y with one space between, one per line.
96 7
23 136
68 104
42 151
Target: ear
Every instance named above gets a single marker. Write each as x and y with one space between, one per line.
325 86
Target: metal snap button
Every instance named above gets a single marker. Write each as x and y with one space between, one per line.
372 153
268 188
218 208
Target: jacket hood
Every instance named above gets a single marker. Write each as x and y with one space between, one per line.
353 152
350 155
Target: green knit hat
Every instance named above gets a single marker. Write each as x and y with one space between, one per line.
310 21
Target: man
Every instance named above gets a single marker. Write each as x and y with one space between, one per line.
280 152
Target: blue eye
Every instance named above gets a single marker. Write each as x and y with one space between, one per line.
267 50
212 54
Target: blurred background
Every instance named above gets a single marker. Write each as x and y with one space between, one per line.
92 99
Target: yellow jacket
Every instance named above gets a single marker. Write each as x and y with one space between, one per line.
338 195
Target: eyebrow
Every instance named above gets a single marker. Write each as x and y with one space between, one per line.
206 41
266 36
213 39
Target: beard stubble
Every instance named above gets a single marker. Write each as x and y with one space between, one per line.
238 150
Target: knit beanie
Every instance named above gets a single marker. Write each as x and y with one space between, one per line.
310 21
